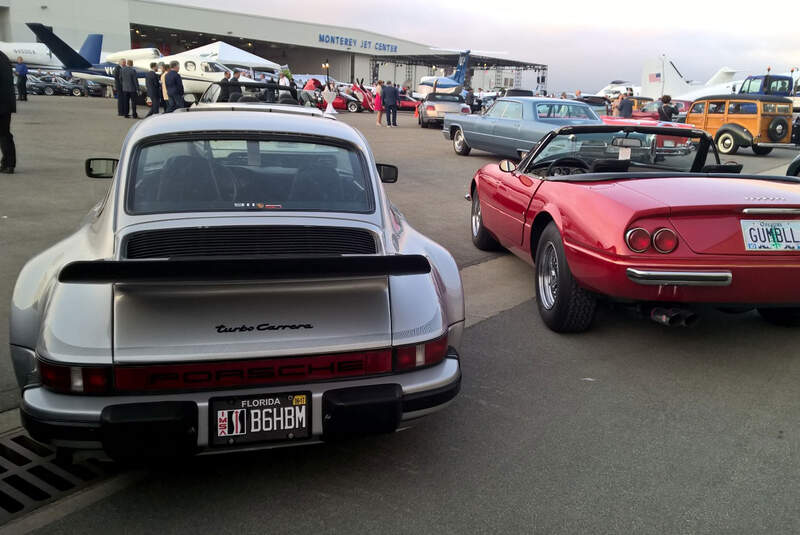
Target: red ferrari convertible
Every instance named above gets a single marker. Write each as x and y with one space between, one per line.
609 211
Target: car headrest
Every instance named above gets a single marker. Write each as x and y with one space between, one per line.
610 166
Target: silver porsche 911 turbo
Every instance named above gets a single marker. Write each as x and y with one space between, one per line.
245 284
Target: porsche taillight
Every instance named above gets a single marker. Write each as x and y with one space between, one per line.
408 357
75 379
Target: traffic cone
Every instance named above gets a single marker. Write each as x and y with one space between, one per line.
416 112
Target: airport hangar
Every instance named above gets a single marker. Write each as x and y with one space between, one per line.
304 47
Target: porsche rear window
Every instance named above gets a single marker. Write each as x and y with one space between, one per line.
213 175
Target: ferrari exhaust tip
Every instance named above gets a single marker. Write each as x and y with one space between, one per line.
674 317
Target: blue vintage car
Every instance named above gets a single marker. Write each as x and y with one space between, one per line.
514 125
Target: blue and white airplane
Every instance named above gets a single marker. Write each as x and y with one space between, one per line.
38 56
446 84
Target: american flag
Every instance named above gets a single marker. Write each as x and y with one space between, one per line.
654 77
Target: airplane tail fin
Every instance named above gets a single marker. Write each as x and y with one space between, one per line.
61 50
461 71
661 77
723 76
90 51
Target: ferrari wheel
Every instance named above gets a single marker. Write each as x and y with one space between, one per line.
761 151
460 144
726 143
481 237
49 91
563 305
352 107
787 317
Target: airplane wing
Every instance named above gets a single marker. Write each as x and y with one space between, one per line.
61 50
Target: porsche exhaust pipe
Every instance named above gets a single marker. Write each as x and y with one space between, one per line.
674 317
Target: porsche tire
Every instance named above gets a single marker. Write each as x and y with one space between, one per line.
761 151
481 238
786 317
460 144
352 107
726 144
49 91
563 305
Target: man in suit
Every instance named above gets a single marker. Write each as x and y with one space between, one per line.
8 105
224 87
174 85
121 104
22 79
153 89
389 99
235 86
130 89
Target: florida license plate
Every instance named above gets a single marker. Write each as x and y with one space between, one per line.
771 235
260 418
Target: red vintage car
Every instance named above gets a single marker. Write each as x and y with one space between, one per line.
407 103
599 219
342 101
650 110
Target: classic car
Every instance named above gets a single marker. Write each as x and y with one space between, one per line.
650 110
514 125
435 105
407 103
599 104
199 307
598 219
253 93
757 121
56 85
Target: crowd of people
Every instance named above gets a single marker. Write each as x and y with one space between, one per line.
163 84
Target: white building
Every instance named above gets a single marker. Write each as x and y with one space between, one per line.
304 47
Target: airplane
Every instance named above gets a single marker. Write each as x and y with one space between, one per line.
38 56
453 83
613 89
196 71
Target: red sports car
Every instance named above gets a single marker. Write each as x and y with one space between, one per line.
407 103
599 217
650 110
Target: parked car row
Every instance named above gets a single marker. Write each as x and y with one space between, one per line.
49 85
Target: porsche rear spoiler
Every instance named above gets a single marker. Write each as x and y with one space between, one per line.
213 270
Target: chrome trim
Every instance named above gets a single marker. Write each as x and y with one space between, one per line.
659 231
652 277
768 211
628 241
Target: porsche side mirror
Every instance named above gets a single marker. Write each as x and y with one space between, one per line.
101 167
388 173
507 166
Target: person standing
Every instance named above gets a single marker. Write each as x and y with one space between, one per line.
224 87
121 104
164 96
378 103
8 105
666 111
22 79
174 85
625 107
389 98
153 89
130 89
235 86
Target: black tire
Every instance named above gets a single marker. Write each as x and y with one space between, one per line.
761 151
726 144
564 306
77 92
49 91
785 317
777 129
460 144
481 238
352 107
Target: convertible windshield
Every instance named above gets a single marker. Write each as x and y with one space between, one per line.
619 151
557 110
238 174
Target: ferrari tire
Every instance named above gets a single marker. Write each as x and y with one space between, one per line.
460 144
481 238
563 305
726 144
777 129
786 317
352 107
49 91
761 151
77 92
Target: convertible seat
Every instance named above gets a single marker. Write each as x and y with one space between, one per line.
610 166
187 178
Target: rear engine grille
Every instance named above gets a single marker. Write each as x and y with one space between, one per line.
249 241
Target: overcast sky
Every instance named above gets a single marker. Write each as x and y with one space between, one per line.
585 43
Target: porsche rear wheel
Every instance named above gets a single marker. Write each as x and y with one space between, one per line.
726 143
460 144
481 238
787 317
563 305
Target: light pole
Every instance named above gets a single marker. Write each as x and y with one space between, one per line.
327 68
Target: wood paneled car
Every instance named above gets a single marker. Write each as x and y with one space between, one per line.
758 121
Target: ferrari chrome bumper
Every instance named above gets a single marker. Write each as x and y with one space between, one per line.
651 277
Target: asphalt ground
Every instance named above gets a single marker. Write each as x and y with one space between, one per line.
629 428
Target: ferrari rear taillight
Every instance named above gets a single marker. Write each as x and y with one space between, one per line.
75 379
665 240
430 108
412 356
638 240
